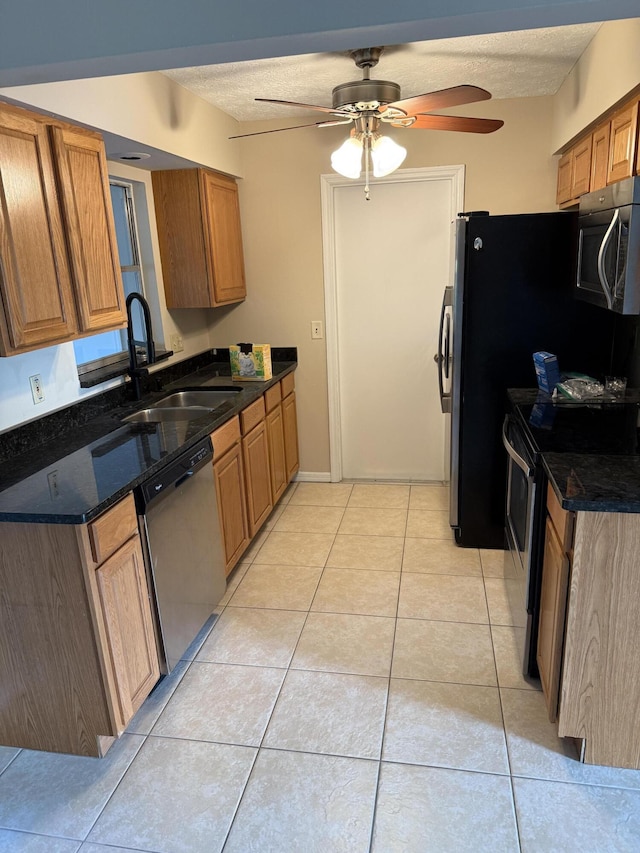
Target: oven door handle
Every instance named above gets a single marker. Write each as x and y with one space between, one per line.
520 462
606 287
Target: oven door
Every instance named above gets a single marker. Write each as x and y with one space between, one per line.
520 506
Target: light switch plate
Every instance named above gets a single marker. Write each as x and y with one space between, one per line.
317 332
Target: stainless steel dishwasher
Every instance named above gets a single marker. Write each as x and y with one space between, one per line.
178 520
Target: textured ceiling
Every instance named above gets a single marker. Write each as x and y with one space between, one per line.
510 65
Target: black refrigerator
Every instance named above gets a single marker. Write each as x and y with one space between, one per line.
512 295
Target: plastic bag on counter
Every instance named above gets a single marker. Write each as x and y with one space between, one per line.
579 388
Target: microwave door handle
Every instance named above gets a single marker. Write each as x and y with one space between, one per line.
579 270
520 462
601 255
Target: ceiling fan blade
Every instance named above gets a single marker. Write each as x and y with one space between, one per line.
294 127
455 123
307 106
441 100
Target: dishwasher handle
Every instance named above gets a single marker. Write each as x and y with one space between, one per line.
184 478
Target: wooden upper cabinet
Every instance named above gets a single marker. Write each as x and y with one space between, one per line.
226 258
599 157
93 251
198 218
574 172
563 192
622 143
59 269
37 301
581 168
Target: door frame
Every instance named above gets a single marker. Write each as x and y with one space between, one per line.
328 186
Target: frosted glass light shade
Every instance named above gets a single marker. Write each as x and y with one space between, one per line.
347 160
386 156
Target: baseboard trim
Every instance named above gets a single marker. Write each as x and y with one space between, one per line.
313 477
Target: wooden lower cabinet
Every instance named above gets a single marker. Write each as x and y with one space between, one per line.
232 510
255 458
290 422
255 453
555 580
77 645
124 597
277 463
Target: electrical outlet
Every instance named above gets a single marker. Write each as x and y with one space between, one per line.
176 343
316 329
37 389
52 479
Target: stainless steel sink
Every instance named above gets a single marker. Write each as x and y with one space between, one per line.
209 398
157 415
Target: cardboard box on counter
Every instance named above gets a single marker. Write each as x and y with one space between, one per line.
250 362
547 371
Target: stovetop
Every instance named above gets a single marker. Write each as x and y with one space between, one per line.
602 428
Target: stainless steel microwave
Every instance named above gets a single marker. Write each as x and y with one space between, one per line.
609 247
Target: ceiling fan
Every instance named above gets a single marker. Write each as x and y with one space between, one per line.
370 104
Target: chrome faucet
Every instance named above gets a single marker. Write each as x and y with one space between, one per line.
135 371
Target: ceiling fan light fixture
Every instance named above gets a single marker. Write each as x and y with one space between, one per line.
386 155
347 160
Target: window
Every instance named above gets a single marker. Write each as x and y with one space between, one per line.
108 347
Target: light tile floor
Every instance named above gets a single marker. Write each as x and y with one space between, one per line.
359 690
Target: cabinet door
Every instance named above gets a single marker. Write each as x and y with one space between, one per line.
553 599
232 513
255 452
35 282
290 420
127 614
599 157
86 202
277 464
563 192
622 144
581 175
221 212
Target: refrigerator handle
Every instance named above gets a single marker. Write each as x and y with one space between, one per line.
442 357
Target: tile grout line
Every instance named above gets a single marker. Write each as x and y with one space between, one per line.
264 733
386 707
504 729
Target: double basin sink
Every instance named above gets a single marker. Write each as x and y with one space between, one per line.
185 405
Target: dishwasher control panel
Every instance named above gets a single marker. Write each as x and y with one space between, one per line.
174 473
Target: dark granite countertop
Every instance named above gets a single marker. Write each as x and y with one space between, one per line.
83 470
590 451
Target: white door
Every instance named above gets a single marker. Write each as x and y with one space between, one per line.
388 261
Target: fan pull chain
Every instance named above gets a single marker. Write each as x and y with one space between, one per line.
367 160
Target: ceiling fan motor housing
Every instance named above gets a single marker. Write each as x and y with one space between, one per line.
365 94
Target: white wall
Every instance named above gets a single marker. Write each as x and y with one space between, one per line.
606 72
148 108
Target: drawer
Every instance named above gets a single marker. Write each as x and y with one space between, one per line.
252 415
288 384
225 437
112 529
562 519
272 396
